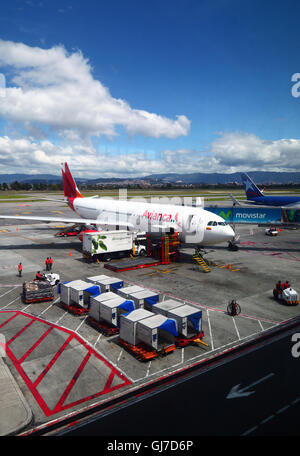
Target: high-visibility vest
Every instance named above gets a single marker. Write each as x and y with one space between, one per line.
20 267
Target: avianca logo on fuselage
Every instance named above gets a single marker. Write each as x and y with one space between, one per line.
160 216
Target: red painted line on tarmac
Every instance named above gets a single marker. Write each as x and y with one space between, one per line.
32 386
28 383
72 383
109 381
7 321
20 332
21 360
53 360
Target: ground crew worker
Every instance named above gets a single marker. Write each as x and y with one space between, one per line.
39 276
286 285
233 307
279 286
50 263
47 263
20 269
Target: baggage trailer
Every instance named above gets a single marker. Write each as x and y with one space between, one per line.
37 291
145 299
165 306
105 315
158 332
189 321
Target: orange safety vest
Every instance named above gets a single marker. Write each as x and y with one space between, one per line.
20 267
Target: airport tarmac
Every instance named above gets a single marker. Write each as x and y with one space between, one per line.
60 365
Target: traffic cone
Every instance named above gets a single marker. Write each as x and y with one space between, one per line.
69 253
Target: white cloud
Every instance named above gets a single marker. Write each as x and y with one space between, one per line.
231 152
243 151
57 90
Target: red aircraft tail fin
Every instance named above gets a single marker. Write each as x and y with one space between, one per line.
70 187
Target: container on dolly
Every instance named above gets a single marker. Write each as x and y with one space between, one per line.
189 321
145 299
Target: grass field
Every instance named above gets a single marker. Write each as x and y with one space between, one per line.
209 195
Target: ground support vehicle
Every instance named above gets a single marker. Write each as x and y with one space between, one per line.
75 309
145 353
37 291
288 296
184 341
70 231
105 245
104 327
271 231
52 278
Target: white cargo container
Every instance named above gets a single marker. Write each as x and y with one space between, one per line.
128 324
145 299
94 279
94 310
77 293
189 320
104 243
111 310
157 331
110 284
164 307
127 291
105 296
65 291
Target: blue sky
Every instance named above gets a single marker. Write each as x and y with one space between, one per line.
224 66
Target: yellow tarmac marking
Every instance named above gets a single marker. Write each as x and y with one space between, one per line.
57 212
26 213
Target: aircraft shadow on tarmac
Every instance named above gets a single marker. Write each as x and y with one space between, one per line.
43 246
261 249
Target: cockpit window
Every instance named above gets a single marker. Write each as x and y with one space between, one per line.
213 223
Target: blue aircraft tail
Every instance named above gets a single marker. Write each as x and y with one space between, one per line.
252 191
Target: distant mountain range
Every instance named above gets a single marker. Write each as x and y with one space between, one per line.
259 177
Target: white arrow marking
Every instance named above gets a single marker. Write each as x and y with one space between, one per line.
236 391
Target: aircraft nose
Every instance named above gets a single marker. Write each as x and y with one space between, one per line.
230 234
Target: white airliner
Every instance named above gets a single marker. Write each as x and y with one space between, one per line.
194 224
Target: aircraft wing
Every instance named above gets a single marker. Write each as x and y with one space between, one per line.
107 221
295 206
240 202
235 201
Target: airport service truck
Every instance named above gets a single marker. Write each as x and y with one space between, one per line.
105 245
